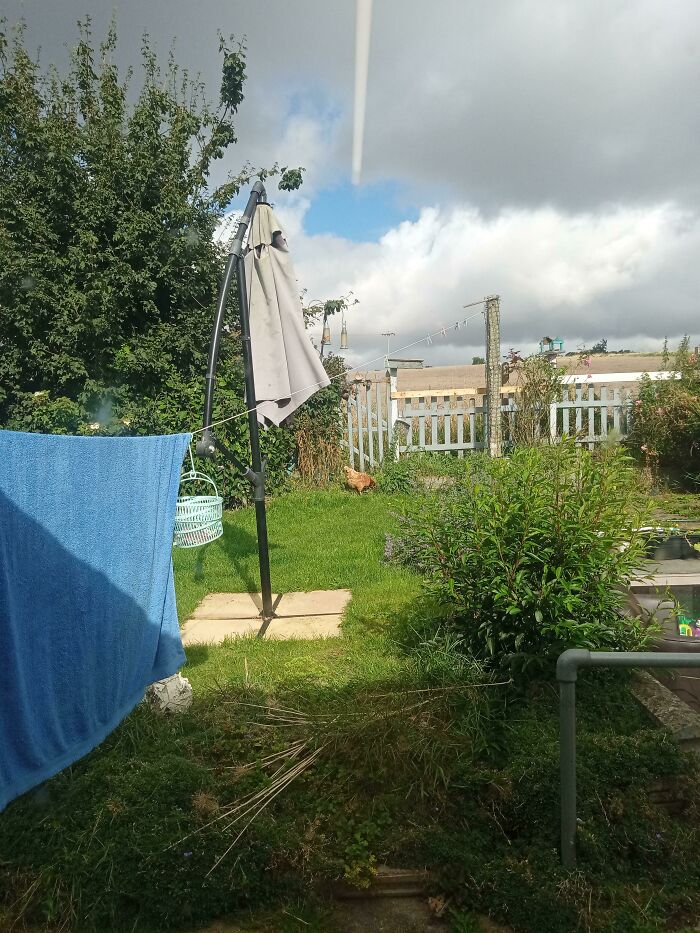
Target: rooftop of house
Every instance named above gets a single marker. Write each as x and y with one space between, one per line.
438 379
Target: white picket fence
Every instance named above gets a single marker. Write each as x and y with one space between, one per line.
376 428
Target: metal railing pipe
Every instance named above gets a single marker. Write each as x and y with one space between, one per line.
568 666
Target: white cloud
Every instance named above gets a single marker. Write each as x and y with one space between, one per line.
584 275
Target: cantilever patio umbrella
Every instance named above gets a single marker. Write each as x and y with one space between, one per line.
286 366
281 366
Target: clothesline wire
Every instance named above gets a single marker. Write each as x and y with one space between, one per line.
353 369
472 304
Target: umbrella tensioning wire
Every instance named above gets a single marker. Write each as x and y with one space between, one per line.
354 369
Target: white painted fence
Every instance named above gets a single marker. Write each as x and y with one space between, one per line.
378 424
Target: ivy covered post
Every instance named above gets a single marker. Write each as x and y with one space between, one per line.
493 376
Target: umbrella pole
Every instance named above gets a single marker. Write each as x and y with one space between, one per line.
208 443
257 464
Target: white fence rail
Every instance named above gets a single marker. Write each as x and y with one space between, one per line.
455 424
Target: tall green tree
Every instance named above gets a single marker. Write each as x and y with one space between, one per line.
108 269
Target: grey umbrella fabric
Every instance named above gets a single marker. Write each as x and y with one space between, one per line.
286 366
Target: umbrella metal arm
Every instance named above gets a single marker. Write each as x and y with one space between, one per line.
209 443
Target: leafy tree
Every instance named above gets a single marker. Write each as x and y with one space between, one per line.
476 360
600 347
109 271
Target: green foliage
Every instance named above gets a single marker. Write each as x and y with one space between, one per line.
530 553
396 475
665 418
540 384
499 856
329 307
109 272
318 428
418 471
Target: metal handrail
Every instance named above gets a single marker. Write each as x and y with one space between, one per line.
568 665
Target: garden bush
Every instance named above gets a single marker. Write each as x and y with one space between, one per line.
531 553
665 418
413 472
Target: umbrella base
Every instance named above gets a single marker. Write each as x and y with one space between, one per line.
220 616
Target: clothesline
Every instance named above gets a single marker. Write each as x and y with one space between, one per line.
429 337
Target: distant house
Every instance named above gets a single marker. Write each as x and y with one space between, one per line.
551 345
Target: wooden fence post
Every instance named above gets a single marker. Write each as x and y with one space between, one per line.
393 413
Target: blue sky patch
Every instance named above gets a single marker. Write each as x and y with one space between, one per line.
361 214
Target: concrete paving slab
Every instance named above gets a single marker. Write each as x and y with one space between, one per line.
249 605
316 614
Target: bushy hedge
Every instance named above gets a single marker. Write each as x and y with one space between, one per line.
531 553
665 418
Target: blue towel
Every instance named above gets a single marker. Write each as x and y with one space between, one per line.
87 600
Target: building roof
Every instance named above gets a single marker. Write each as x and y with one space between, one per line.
445 378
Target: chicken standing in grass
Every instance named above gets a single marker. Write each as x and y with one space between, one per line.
358 481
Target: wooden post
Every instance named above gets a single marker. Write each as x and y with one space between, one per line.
393 413
493 376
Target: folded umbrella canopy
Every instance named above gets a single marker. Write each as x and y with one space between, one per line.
286 366
281 367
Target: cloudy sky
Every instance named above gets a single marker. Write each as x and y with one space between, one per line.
542 150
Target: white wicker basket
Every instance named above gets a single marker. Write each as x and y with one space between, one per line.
198 519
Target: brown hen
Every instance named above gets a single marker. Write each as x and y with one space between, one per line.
358 481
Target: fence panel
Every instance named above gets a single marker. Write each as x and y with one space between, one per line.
425 422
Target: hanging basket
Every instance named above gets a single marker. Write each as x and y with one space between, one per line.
198 519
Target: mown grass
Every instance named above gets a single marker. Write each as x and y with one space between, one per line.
678 504
329 539
416 768
320 539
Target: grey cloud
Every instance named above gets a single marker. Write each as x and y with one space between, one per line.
580 104
518 102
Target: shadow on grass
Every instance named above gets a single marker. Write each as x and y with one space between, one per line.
196 655
239 545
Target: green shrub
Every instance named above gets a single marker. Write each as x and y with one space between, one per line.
396 475
531 553
665 417
413 471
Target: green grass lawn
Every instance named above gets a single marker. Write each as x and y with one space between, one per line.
422 761
318 540
678 504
